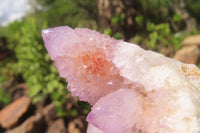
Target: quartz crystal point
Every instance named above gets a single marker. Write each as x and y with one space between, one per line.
132 90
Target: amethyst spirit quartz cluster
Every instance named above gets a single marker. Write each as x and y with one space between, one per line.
132 90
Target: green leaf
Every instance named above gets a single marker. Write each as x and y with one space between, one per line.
177 18
108 31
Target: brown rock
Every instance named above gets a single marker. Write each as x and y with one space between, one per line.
192 40
78 125
57 127
50 114
188 54
10 115
18 90
34 124
71 101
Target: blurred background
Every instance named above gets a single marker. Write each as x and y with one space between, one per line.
33 98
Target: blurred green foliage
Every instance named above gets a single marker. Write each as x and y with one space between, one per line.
177 18
154 10
157 34
5 97
67 12
34 64
193 7
116 19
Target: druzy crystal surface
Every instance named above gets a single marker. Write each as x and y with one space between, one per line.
132 90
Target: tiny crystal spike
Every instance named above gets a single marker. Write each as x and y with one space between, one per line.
132 90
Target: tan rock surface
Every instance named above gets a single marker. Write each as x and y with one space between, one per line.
10 115
192 40
57 127
34 124
188 54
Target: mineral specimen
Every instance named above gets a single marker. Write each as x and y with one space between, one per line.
132 90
